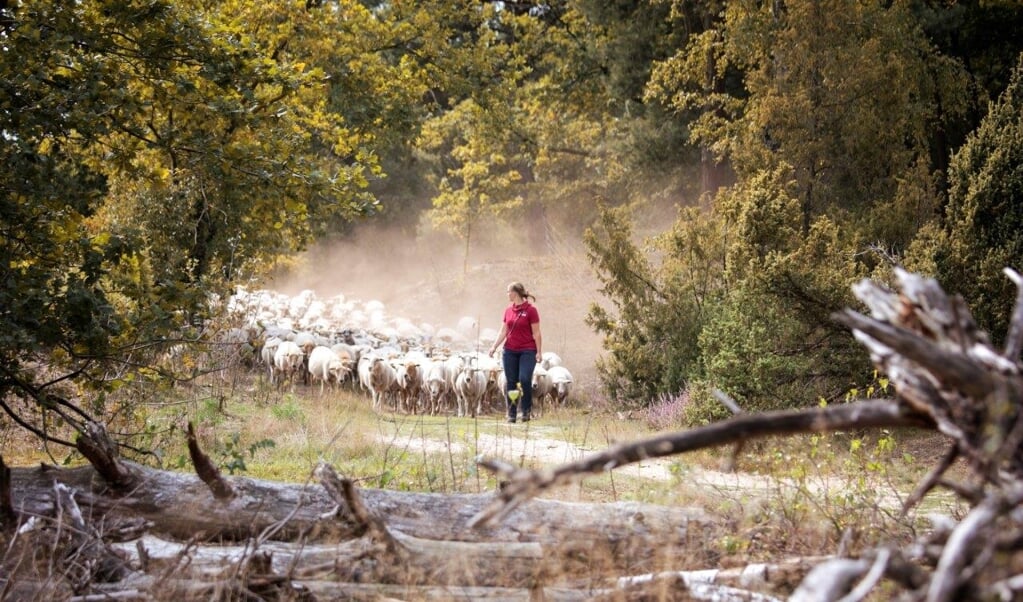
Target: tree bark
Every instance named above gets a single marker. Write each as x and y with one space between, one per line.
279 535
181 506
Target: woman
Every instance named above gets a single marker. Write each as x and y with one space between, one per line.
520 333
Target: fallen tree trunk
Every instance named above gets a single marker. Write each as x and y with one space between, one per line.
180 506
172 524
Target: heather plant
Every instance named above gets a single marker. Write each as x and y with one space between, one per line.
668 411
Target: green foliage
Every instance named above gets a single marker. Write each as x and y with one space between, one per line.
234 454
848 107
531 133
828 128
862 507
287 410
741 344
155 154
741 300
984 217
658 310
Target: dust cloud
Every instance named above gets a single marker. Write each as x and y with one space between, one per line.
427 278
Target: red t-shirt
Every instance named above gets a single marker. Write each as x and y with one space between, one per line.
519 320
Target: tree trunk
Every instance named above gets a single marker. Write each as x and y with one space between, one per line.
177 536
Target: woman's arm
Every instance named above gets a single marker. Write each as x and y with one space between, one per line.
539 340
500 338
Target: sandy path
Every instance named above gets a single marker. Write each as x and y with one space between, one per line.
533 447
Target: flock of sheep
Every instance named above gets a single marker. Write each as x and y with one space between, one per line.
403 366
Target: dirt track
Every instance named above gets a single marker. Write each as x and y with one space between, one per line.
538 445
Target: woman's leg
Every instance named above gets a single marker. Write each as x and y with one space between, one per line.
510 360
527 363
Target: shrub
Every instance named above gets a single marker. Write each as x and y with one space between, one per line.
667 412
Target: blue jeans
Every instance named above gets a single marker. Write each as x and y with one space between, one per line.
518 368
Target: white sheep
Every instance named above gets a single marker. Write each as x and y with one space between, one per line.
468 327
349 354
541 388
561 383
470 388
326 366
382 380
266 354
437 384
492 368
549 360
364 367
455 364
288 362
409 371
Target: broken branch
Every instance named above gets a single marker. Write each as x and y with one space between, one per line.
101 452
206 470
523 485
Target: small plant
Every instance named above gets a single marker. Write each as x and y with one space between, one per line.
668 412
210 410
288 410
235 453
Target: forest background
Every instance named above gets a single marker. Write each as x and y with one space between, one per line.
158 155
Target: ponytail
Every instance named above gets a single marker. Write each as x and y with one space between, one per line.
520 290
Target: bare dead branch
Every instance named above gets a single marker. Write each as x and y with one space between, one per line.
1014 338
206 470
1008 589
681 586
757 576
526 484
331 481
41 434
130 594
8 517
180 562
971 533
143 555
346 495
828 581
734 408
88 558
905 572
869 581
101 452
973 494
932 479
956 369
727 401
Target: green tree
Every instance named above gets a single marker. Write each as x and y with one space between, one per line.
532 134
829 132
982 227
847 93
154 156
770 343
658 310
